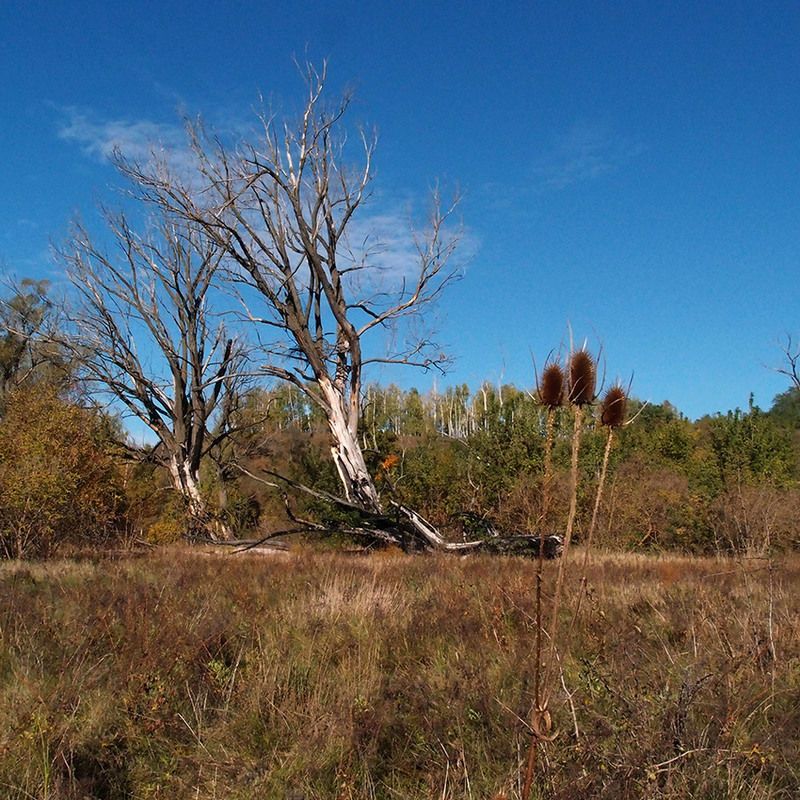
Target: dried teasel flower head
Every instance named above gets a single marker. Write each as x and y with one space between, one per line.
582 377
614 407
551 386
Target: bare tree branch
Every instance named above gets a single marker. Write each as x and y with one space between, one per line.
281 207
146 334
791 351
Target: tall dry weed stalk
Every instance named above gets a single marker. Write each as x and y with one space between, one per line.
552 396
582 384
613 413
579 390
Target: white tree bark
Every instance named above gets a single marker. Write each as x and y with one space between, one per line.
348 457
186 482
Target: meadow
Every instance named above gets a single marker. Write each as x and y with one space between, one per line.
192 673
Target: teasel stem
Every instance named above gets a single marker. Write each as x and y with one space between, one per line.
573 508
546 492
600 486
592 526
526 789
537 669
551 394
612 416
582 378
539 712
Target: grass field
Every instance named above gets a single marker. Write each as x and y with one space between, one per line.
195 674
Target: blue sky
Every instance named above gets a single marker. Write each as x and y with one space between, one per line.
630 169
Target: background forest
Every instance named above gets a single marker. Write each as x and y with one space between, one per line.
469 460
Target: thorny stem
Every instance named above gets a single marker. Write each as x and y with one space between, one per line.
573 507
526 789
597 499
539 712
546 489
592 526
537 691
774 659
599 495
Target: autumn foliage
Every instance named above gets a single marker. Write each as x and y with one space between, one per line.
59 485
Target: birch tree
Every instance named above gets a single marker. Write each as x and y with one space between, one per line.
147 336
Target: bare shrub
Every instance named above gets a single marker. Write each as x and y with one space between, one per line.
644 507
753 519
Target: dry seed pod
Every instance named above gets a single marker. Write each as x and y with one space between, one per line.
581 378
551 388
614 407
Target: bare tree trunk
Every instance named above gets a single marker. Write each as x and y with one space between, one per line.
155 294
186 482
346 451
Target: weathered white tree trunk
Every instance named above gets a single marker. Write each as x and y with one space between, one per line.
358 484
186 481
347 454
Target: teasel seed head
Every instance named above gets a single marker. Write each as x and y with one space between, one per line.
551 387
582 377
614 407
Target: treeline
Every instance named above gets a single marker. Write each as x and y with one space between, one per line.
238 268
466 457
469 460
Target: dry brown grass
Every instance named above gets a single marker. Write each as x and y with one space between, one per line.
179 675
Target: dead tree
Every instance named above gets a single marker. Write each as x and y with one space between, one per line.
282 207
791 351
146 335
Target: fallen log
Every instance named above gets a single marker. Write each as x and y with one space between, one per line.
406 528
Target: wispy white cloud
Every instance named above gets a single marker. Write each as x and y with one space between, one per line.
384 243
381 240
99 139
387 242
584 153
